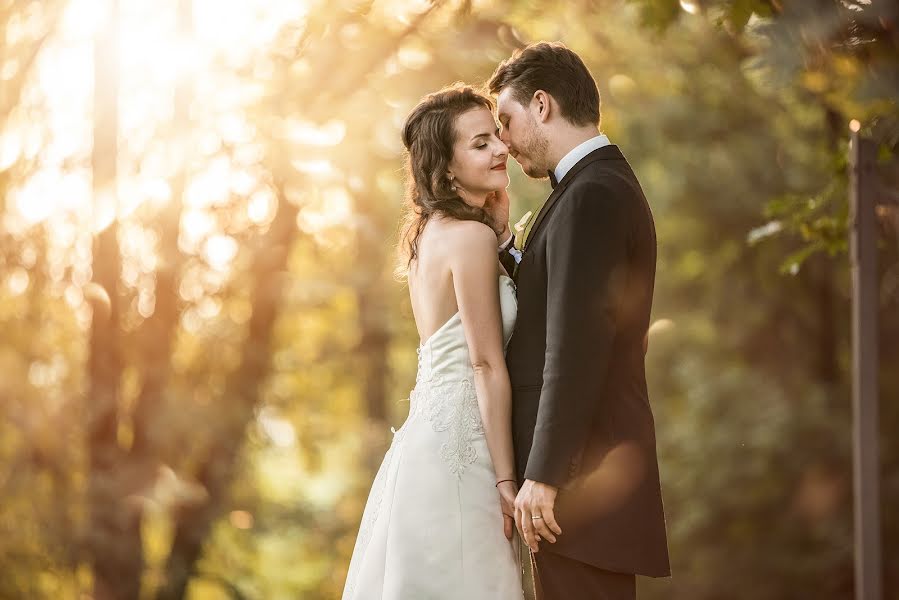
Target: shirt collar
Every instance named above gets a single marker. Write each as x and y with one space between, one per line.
577 153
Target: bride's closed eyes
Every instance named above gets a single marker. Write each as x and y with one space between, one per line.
479 155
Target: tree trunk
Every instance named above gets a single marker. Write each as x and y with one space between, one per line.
372 349
217 471
374 337
158 330
113 538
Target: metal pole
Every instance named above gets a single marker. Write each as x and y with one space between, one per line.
866 465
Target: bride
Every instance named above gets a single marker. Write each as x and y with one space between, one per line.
438 523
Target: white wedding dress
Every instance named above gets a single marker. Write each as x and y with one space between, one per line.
432 528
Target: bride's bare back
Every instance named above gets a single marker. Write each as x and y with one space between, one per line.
431 280
431 285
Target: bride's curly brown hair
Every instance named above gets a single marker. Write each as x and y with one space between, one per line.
429 135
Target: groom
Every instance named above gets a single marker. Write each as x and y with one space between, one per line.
590 504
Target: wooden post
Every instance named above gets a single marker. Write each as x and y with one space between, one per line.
866 464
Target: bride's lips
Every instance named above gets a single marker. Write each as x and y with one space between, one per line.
500 167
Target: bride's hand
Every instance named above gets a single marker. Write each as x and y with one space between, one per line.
508 491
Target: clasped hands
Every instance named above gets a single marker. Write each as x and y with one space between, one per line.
530 510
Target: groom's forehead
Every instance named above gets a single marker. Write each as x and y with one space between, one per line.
507 103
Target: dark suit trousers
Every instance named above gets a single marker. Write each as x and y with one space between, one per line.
561 578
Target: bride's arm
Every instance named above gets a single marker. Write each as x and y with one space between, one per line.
475 274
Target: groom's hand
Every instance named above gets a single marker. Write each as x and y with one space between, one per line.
536 500
497 206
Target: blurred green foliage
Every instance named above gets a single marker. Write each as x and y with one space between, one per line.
292 346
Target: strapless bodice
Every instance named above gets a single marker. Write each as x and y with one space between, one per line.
445 355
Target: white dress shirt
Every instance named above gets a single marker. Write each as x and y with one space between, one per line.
577 153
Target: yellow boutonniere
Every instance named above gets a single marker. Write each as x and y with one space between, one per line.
521 229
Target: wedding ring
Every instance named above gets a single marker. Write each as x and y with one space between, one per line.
535 518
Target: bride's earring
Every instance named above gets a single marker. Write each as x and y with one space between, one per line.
452 184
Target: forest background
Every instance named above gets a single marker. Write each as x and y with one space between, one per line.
204 347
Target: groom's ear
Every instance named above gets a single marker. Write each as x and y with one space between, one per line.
542 105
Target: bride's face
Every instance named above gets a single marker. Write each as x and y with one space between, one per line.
479 156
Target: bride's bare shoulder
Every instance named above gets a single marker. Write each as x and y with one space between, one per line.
456 244
469 246
469 233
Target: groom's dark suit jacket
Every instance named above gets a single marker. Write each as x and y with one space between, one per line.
581 415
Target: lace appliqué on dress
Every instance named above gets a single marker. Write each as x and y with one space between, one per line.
453 407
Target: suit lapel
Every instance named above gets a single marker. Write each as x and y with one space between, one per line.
609 152
529 229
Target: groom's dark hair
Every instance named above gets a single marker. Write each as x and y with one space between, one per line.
553 68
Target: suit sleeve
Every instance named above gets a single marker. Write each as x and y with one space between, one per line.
586 262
